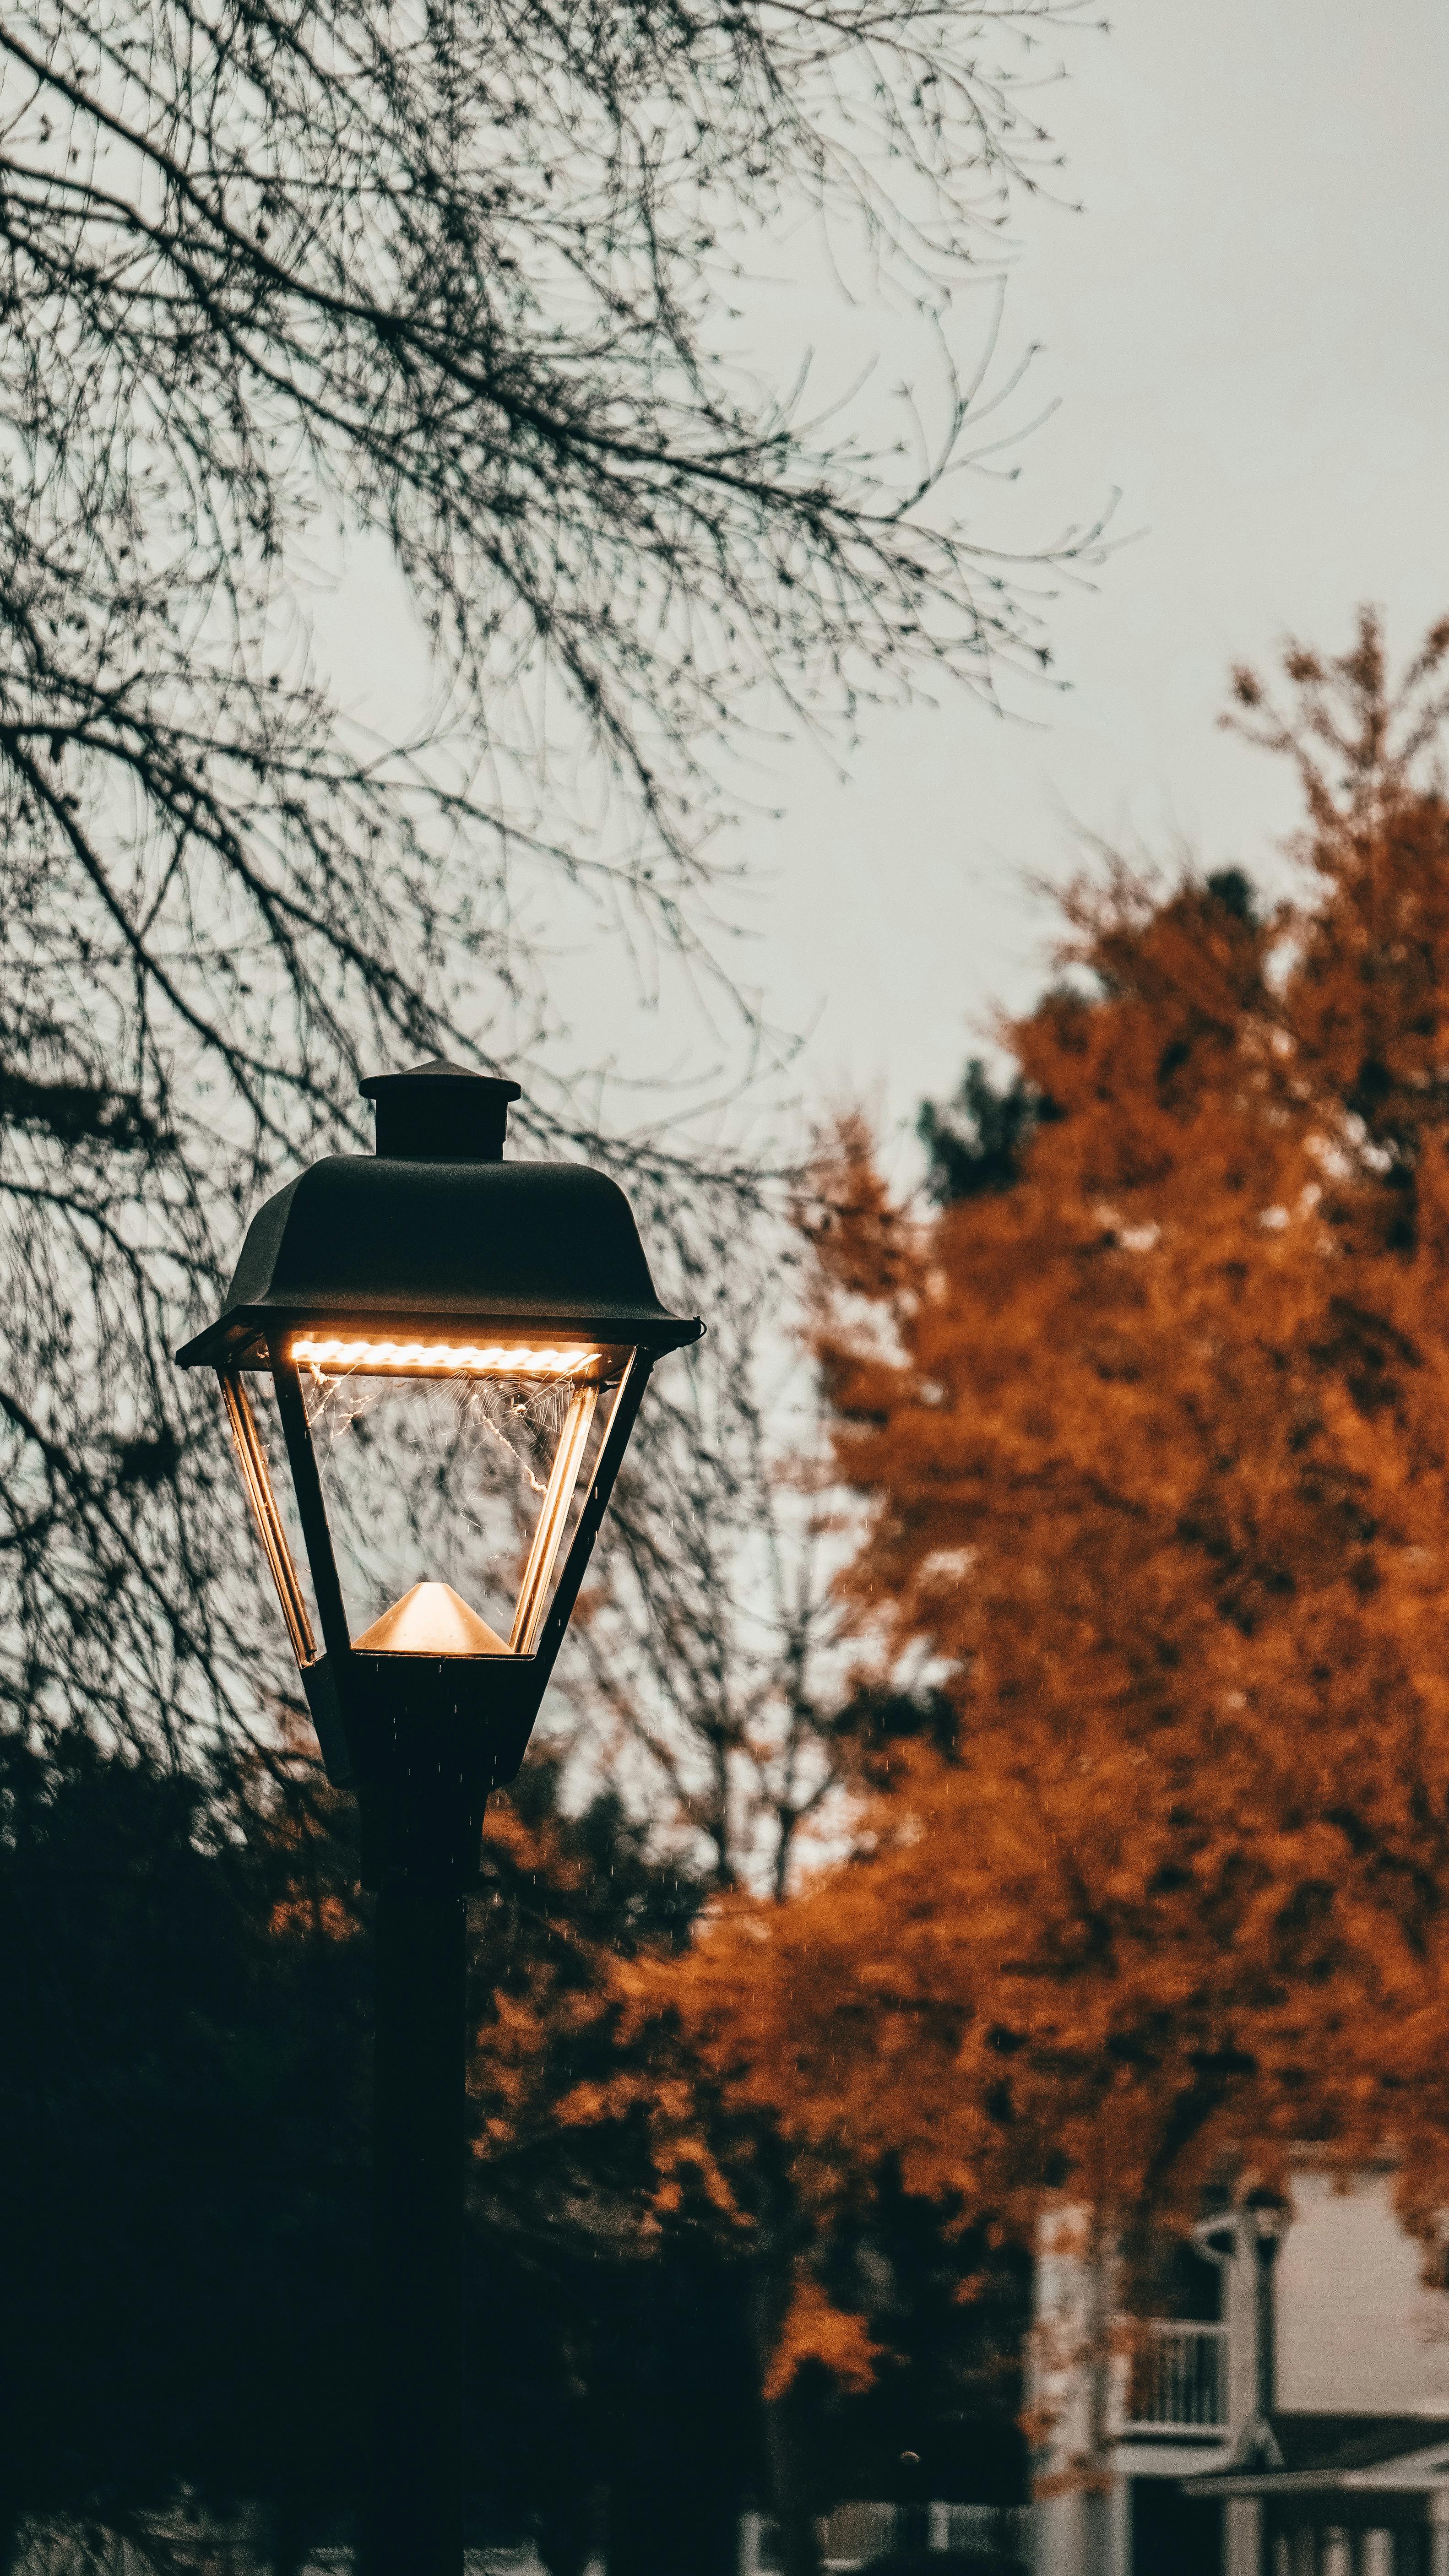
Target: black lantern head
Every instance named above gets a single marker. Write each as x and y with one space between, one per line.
456 1348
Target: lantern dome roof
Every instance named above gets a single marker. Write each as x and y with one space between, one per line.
435 1232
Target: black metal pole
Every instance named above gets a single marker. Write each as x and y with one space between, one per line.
415 2520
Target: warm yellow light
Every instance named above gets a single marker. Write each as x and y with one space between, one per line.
472 1359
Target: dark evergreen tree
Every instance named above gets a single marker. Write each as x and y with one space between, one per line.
975 1142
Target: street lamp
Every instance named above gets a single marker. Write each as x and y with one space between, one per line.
449 1352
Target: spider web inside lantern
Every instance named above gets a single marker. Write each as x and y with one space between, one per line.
452 1492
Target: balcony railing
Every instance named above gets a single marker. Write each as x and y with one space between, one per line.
1177 2379
855 2537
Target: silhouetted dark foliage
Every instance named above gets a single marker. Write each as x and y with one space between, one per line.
182 2057
941 2418
874 1723
183 2160
1236 893
976 1142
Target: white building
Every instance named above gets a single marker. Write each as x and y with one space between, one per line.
1284 2413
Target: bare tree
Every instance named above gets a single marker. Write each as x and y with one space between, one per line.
446 277
712 1654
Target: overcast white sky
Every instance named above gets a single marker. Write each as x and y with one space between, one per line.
1245 333
1246 329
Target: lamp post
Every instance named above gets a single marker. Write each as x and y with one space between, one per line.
449 1352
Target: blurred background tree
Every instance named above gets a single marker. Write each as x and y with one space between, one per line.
1148 1420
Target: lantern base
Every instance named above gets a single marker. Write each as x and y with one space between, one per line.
422 1740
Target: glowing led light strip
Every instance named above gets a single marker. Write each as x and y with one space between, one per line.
476 1359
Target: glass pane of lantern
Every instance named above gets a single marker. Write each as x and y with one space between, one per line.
453 1476
261 1460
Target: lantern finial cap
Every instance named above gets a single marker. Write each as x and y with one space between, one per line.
440 1113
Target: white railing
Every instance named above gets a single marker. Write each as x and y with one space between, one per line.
855 2536
999 2530
1177 2378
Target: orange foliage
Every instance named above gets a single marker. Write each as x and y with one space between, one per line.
580 2089
835 2339
1154 1444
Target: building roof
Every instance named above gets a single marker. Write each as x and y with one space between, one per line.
1285 2453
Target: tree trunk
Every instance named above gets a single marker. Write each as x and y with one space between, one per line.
12 2533
566 2534
794 2514
289 2537
792 2500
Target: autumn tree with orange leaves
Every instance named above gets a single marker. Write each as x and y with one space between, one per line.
1149 1422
